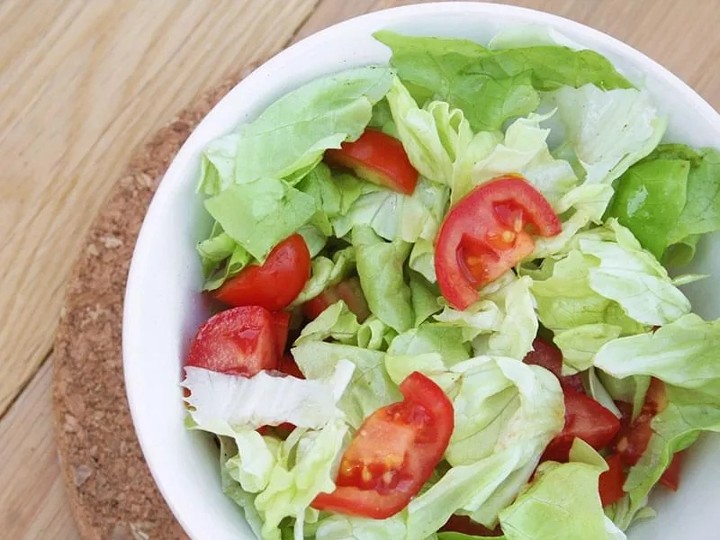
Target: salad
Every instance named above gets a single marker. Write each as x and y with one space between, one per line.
443 304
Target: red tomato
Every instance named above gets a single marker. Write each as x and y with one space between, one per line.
273 284
393 453
585 419
633 439
377 158
671 477
547 355
240 341
288 366
280 323
611 481
487 233
348 290
465 525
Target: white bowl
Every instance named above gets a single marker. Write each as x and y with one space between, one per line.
163 307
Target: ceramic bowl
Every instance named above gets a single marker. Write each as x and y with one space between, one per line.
163 307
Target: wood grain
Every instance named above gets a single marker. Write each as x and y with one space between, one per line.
81 85
33 502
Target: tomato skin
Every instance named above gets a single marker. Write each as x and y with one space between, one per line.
393 453
377 158
288 366
488 232
611 481
239 341
280 325
273 284
348 290
586 419
549 356
671 477
634 437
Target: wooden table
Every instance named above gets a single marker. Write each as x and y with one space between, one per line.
82 83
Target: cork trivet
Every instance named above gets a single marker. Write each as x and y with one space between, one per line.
110 488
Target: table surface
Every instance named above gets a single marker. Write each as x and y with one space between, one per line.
83 83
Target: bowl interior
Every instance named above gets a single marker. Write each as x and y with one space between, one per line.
163 308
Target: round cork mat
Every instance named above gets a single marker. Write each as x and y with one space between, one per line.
111 491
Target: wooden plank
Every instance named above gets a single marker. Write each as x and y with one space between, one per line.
81 85
33 502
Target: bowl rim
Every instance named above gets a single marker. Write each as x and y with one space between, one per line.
133 302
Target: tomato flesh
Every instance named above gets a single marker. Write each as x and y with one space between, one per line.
288 366
671 477
488 232
611 481
241 341
548 356
585 419
280 325
634 437
348 291
377 158
393 453
273 284
465 525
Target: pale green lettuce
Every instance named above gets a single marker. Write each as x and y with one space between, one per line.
325 272
380 268
370 387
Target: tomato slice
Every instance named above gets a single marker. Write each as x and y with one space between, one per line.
548 356
585 419
377 158
288 366
488 232
393 453
241 340
611 481
671 477
634 437
348 290
280 325
273 284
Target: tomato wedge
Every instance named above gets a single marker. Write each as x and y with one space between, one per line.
671 477
633 439
393 453
241 340
547 355
273 284
611 481
348 290
585 419
377 158
488 232
288 366
280 325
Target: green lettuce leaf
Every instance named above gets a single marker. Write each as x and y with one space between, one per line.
682 353
326 272
606 131
396 216
380 268
562 497
491 86
503 323
259 214
336 322
370 387
340 527
217 165
221 257
288 139
670 198
234 490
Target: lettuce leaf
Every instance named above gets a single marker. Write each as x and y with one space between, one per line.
325 272
288 138
380 268
491 86
370 387
259 214
225 404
